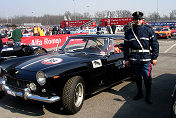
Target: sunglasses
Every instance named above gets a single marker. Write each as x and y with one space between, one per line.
137 18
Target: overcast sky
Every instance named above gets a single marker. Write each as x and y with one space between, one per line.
11 8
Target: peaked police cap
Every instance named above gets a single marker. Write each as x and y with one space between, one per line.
137 15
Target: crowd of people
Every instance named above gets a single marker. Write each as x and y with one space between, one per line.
36 30
6 31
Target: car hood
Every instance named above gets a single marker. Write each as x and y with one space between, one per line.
48 61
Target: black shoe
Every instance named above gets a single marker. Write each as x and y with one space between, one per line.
138 96
149 100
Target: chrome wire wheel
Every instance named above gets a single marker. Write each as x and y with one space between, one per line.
79 94
174 109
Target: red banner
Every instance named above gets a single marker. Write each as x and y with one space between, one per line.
45 41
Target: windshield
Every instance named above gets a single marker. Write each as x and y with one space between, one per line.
165 30
161 29
86 45
158 29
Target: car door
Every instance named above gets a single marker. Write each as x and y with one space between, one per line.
115 65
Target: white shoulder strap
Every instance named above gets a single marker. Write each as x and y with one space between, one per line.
137 38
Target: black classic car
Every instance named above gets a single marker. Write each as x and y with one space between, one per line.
11 50
83 65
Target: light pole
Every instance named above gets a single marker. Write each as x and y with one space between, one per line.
74 9
33 17
157 11
88 8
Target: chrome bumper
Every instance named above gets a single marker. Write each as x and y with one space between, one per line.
26 94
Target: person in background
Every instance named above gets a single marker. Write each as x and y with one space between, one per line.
50 30
98 29
141 49
113 27
35 33
2 93
109 29
42 33
1 45
16 35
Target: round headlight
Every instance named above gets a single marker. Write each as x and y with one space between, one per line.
32 86
41 79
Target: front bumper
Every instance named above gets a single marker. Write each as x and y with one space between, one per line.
26 94
161 35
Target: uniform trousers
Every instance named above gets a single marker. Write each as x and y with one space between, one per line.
142 70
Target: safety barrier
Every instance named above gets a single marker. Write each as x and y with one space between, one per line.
45 41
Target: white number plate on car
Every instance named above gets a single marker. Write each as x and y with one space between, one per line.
11 93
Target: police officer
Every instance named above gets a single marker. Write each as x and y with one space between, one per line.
141 48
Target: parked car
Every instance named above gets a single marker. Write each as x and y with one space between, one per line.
83 65
11 50
173 32
74 30
163 32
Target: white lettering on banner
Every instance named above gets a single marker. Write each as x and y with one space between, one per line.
51 41
36 42
45 41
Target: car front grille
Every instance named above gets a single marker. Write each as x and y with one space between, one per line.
17 83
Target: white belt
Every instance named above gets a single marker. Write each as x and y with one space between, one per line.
140 50
133 59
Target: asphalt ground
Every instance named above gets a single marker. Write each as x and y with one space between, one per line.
114 102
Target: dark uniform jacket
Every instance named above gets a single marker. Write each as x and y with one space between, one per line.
132 49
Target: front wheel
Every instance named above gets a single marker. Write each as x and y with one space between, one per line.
73 94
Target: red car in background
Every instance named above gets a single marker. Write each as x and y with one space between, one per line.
173 31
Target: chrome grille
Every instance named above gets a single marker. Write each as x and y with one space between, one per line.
17 83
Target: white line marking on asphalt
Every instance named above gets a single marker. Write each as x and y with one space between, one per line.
170 48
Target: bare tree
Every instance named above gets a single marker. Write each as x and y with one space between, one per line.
123 13
173 15
154 17
48 19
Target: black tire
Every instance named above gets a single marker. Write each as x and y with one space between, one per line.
38 52
173 107
73 94
2 94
